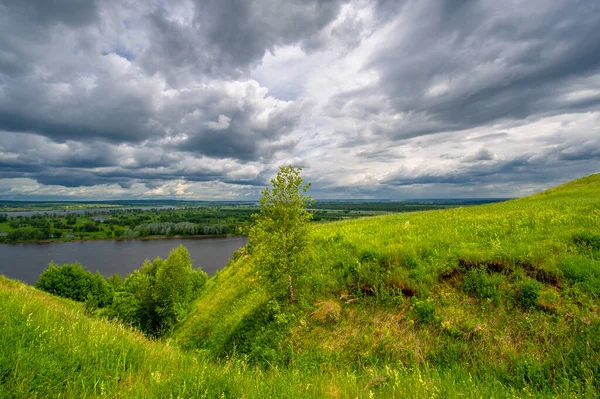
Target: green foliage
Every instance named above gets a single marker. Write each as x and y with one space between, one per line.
583 272
368 255
259 336
173 287
116 281
424 309
279 236
157 296
528 292
126 307
588 239
74 282
51 349
29 234
459 347
481 284
375 268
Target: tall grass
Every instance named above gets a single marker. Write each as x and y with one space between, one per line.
492 301
52 349
506 292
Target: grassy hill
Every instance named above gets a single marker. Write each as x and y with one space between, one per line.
51 348
508 291
500 300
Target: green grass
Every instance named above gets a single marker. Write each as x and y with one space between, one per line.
52 349
500 300
506 291
5 227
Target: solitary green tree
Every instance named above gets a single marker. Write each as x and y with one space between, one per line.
279 234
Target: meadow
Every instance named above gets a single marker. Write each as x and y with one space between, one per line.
498 300
118 220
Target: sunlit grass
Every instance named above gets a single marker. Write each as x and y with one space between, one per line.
51 349
531 319
499 300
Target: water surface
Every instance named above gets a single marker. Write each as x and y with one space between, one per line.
26 262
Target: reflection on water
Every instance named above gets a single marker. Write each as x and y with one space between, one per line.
26 262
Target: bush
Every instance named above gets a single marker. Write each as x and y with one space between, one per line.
159 294
481 284
74 282
260 334
29 233
528 293
368 255
424 309
126 307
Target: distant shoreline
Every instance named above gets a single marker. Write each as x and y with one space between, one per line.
149 238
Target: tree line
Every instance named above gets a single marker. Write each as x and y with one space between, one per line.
153 298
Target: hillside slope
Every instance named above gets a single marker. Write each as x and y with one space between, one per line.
51 348
510 291
500 300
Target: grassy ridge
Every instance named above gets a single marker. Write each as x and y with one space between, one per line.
508 292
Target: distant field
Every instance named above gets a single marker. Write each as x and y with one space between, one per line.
92 221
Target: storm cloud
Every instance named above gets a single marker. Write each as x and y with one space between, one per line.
386 99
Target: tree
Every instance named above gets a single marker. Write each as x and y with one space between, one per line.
159 294
278 237
75 282
173 287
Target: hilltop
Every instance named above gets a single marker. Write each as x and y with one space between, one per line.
508 290
495 300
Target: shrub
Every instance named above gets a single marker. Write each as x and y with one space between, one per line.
157 296
409 260
528 293
126 307
74 282
481 284
424 309
368 255
261 333
116 281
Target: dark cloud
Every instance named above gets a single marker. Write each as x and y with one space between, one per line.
75 164
450 93
47 12
244 134
502 171
225 38
482 155
583 151
529 168
381 154
456 65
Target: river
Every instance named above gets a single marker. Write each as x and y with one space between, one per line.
26 262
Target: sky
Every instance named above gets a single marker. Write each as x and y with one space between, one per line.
205 99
